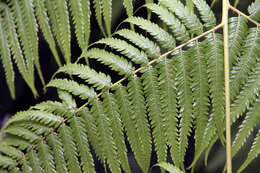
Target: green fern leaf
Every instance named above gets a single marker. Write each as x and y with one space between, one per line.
174 24
73 87
25 167
6 60
10 31
105 137
36 128
112 111
70 150
98 14
67 99
150 48
91 128
251 120
23 34
216 82
27 10
7 162
167 74
34 162
59 19
184 96
151 90
58 152
34 115
255 150
169 167
86 20
46 157
126 49
43 19
237 34
200 91
54 107
78 18
164 38
206 13
79 134
12 152
247 62
24 133
15 141
113 61
128 4
99 80
247 95
254 10
128 121
138 112
189 19
107 14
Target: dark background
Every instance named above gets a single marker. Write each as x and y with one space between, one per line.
25 99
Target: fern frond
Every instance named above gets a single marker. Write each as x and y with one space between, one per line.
10 31
113 61
35 115
79 134
30 23
237 34
255 150
164 38
206 13
138 112
151 90
184 96
24 133
54 107
70 150
7 162
15 141
200 91
73 87
126 49
38 129
216 82
34 161
59 19
58 152
251 120
6 60
112 111
247 95
150 48
76 8
105 137
99 80
254 10
107 14
12 152
23 34
247 62
167 74
130 127
46 157
98 14
67 99
189 19
174 24
25 166
43 19
128 4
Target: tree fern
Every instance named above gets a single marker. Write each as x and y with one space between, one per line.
172 87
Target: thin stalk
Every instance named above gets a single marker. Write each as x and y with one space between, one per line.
227 89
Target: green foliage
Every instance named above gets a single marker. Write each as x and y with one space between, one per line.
171 86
